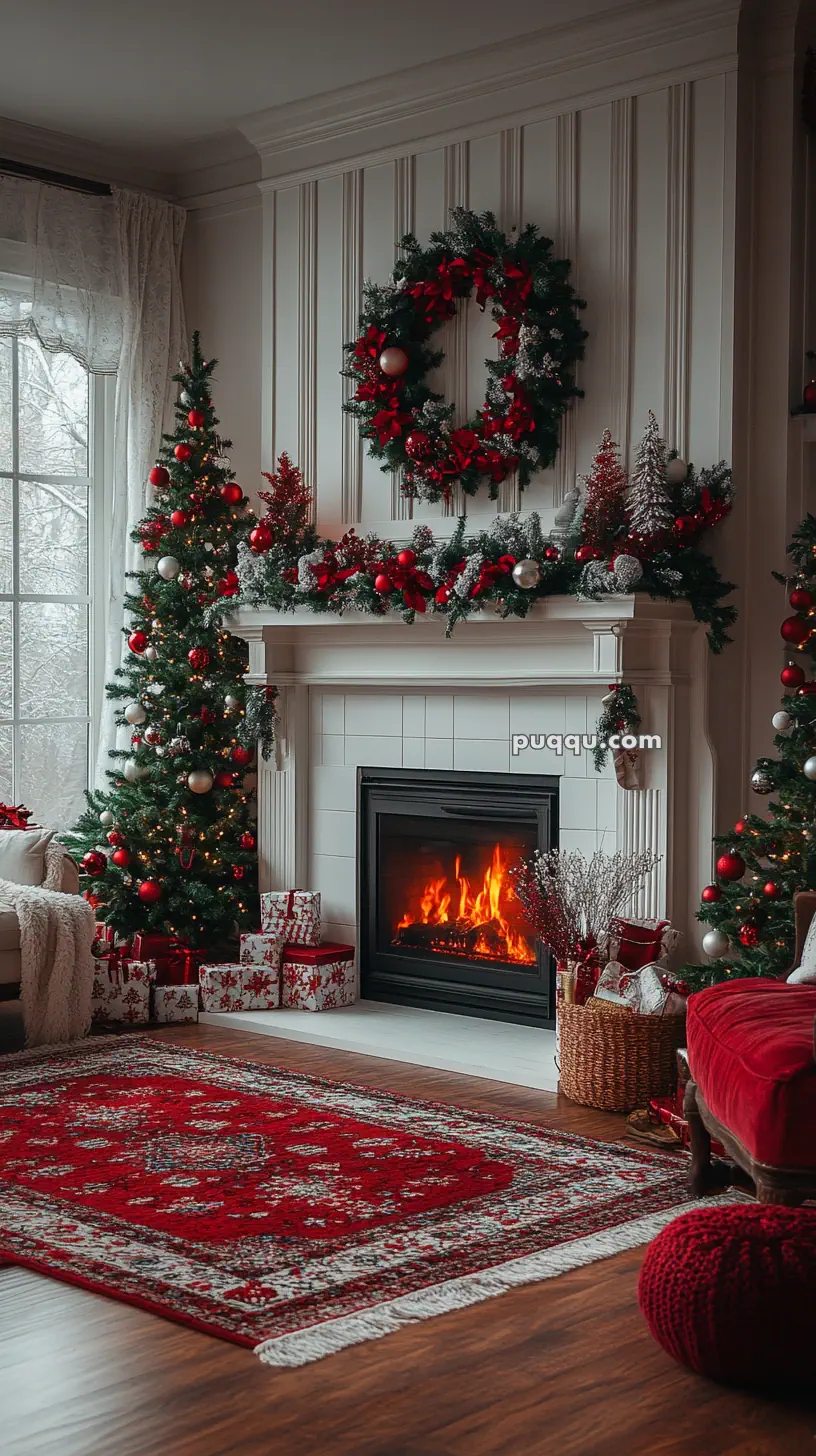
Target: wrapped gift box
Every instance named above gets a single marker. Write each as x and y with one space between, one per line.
292 915
318 978
261 950
239 988
121 990
175 1003
176 963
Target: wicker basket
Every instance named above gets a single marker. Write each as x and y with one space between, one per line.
613 1059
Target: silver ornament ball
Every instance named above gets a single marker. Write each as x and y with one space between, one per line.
168 568
527 574
676 471
231 703
782 721
761 782
200 781
715 943
809 767
135 713
132 771
107 818
150 654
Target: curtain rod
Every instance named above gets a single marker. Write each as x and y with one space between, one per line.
56 179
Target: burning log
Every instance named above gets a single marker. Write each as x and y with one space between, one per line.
460 937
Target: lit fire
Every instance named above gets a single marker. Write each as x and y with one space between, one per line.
471 922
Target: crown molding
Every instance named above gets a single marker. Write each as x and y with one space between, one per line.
38 147
624 50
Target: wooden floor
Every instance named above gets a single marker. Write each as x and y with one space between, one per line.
565 1367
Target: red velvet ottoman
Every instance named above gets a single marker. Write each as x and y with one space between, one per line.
753 1084
730 1292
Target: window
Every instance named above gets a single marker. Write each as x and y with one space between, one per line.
50 444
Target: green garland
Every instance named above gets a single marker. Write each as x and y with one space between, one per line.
620 714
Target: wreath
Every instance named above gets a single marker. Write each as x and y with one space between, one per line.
529 386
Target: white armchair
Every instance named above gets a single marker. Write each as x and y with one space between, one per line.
60 872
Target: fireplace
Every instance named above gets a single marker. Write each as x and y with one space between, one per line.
440 926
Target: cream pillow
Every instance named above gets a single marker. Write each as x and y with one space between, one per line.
22 855
805 973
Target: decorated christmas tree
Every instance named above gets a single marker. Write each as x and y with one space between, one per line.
605 515
650 503
765 860
170 846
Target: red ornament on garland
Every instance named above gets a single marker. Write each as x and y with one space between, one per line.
552 553
740 826
711 894
242 755
731 866
587 553
232 493
237 872
94 863
383 584
224 779
137 641
771 891
442 596
179 518
115 836
121 858
159 476
181 452
795 630
196 418
792 676
407 557
806 689
149 892
260 538
748 934
247 840
800 599
199 658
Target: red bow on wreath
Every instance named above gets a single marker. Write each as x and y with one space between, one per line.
14 816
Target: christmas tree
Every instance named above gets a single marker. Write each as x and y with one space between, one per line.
650 504
605 516
170 846
764 861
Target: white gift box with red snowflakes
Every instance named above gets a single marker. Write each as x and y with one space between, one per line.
318 978
292 916
175 1003
261 950
239 988
121 990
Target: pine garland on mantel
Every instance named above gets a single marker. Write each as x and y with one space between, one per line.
506 567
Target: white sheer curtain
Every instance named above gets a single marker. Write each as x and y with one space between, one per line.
100 278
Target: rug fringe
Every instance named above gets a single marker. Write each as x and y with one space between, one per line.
304 1346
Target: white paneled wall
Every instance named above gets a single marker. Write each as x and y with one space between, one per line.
638 191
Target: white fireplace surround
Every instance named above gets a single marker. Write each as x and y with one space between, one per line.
358 691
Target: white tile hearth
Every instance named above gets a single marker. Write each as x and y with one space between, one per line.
522 1055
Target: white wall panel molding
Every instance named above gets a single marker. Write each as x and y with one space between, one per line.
307 331
456 178
678 268
268 332
511 156
566 241
404 222
562 67
351 264
621 265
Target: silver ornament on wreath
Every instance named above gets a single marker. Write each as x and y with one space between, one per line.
782 721
761 781
809 767
527 574
715 943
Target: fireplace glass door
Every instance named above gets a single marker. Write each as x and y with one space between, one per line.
440 923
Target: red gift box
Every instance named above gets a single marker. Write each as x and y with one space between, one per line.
176 963
318 977
669 1112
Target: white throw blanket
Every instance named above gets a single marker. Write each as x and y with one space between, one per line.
56 979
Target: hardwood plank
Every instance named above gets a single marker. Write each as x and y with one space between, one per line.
565 1366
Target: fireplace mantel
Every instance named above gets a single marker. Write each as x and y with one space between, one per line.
385 677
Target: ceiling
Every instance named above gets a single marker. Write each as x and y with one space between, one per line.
149 77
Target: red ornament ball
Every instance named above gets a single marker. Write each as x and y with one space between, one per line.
393 361
224 779
711 894
731 866
247 840
232 493
94 863
199 658
207 715
260 538
179 518
795 630
806 689
587 553
196 418
800 599
740 826
183 451
242 755
382 583
792 676
418 445
159 476
771 891
552 553
149 892
137 641
115 836
407 557
442 596
748 934
237 872
685 527
121 857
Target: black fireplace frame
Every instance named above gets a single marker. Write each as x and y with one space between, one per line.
530 799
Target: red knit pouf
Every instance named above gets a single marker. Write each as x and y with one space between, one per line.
731 1292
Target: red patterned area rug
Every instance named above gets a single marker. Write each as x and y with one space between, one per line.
290 1214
